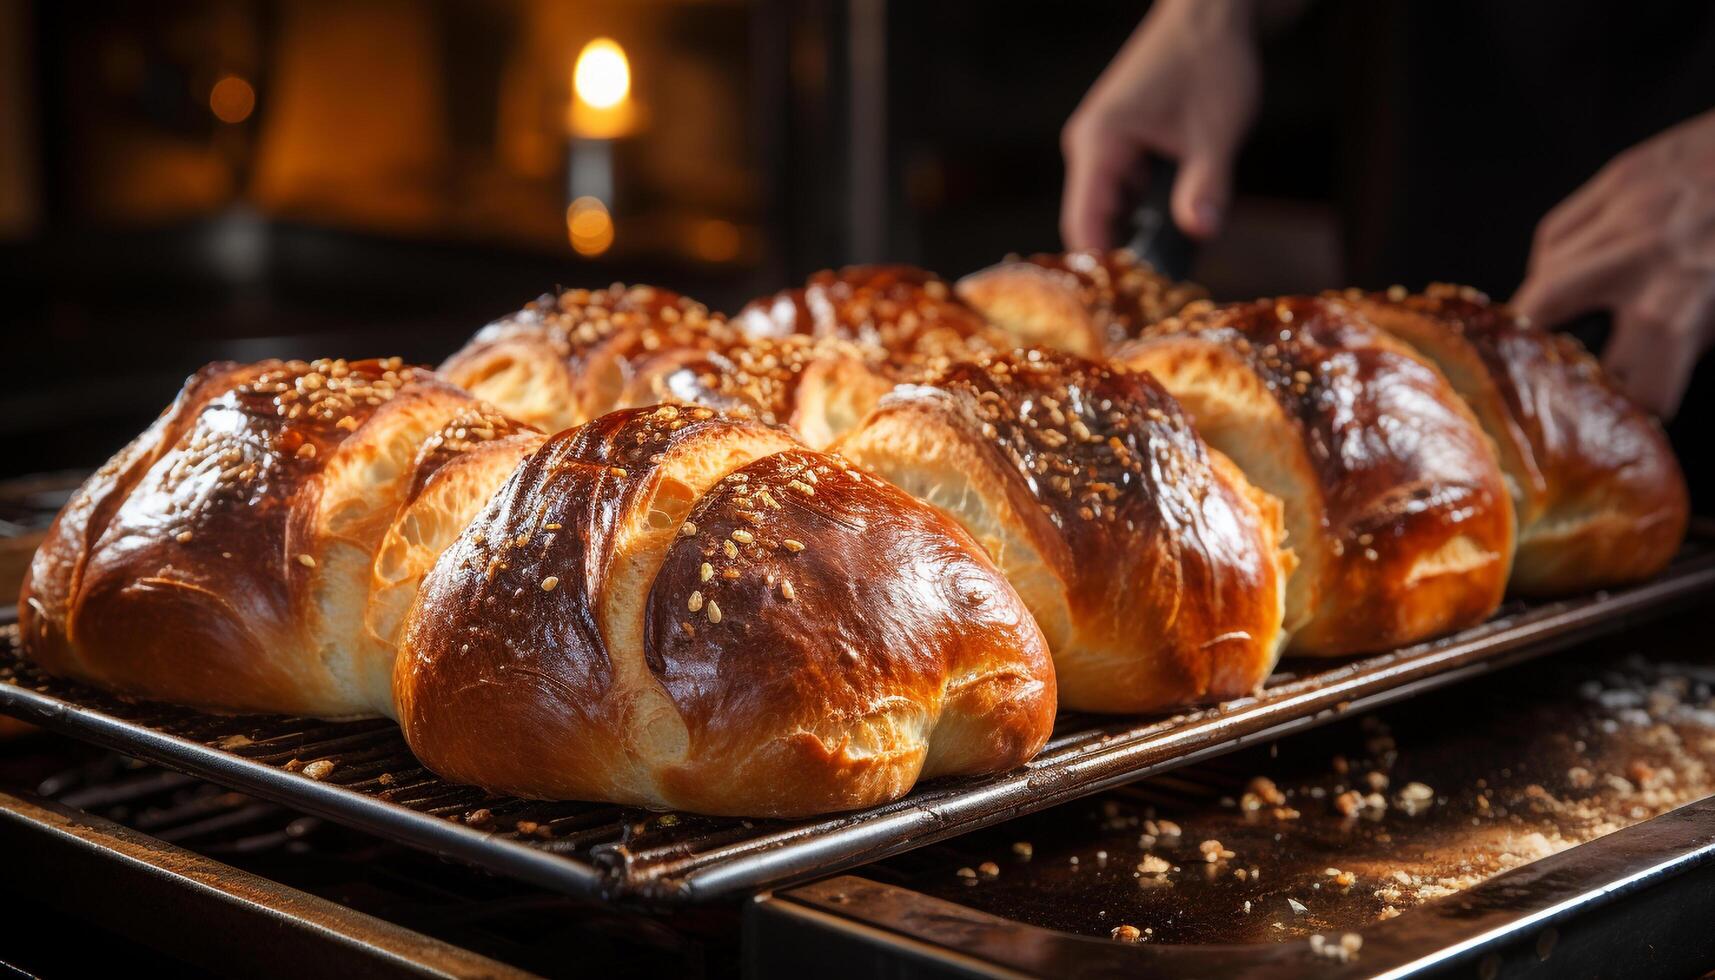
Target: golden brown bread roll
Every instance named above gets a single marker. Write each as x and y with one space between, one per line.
1600 497
1083 302
565 359
820 387
224 558
1395 504
1155 570
668 608
906 311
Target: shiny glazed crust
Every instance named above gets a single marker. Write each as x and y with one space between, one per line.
567 358
1155 570
906 311
223 559
1082 302
673 609
1600 496
1395 504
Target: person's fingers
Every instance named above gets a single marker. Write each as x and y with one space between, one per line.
1561 285
1099 167
1202 190
1656 343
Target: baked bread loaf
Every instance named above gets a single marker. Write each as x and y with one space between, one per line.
1155 570
1394 501
1600 497
668 608
224 558
820 387
567 358
1083 302
262 548
906 311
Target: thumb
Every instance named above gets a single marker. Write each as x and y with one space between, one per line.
1202 190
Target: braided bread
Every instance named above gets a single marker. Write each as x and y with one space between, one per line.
1155 570
1083 302
908 312
1600 497
670 608
284 530
1395 505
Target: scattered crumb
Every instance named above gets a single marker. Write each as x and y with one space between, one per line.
1126 934
231 742
1213 851
1024 849
319 769
988 869
1152 865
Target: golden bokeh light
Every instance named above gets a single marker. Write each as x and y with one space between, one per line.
232 99
589 226
602 76
714 240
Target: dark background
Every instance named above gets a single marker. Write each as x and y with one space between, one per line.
404 172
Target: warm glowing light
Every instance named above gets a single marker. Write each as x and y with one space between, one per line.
232 99
602 76
589 226
715 240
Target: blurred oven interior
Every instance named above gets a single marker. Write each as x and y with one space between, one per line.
188 180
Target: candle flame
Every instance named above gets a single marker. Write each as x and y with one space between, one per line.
602 76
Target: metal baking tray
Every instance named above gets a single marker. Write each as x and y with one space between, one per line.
360 773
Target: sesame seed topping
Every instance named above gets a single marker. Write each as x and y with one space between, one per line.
347 423
696 601
550 583
618 471
306 561
307 451
793 544
707 572
730 549
687 529
787 592
714 612
802 487
182 537
742 536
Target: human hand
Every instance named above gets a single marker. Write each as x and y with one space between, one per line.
1184 86
1638 240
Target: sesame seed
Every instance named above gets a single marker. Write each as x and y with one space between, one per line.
347 423
552 527
307 451
787 592
730 549
306 561
687 529
793 544
182 537
618 471
549 583
696 602
714 612
802 487
742 536
707 572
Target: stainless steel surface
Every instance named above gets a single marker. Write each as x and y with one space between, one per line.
360 772
1490 930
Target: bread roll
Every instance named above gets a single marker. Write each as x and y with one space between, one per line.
1395 504
1083 302
565 359
224 558
1600 497
1154 569
905 311
672 609
820 387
